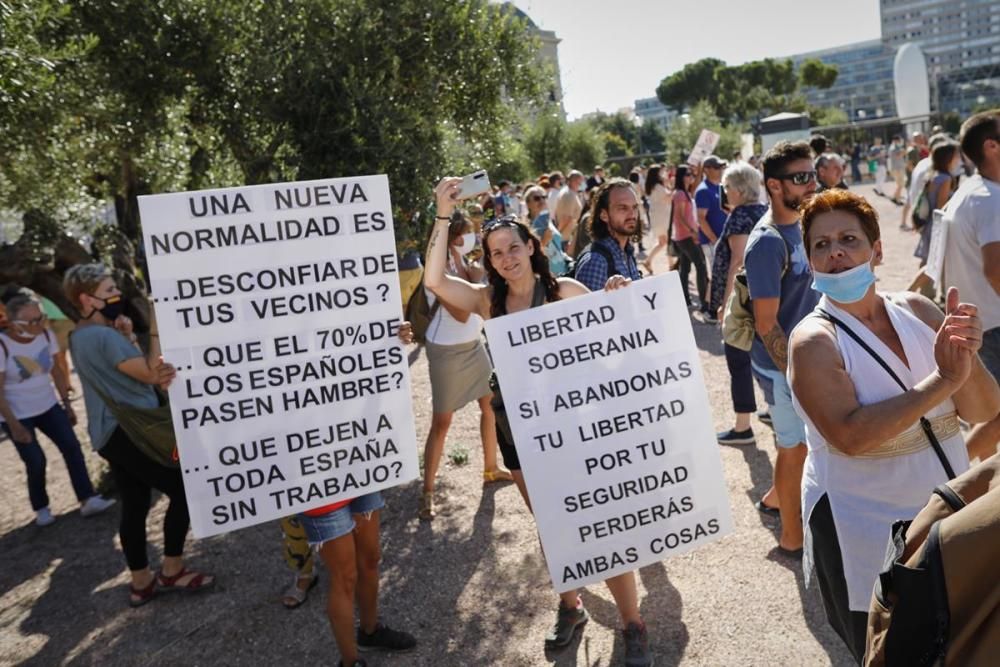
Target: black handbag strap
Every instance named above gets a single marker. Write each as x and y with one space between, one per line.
925 423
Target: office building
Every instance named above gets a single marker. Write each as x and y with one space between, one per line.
651 110
961 42
864 87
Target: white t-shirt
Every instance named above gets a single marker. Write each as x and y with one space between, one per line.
553 199
918 179
972 217
26 383
445 329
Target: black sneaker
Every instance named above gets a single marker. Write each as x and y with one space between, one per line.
734 437
637 652
567 621
765 418
357 663
385 639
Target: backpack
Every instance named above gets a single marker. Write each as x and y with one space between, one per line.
737 320
921 209
420 312
600 250
937 598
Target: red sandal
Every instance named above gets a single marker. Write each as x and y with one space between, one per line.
198 582
142 595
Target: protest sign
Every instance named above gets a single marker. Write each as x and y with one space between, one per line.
934 268
280 307
609 412
707 141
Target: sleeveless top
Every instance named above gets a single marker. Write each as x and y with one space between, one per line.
537 299
867 493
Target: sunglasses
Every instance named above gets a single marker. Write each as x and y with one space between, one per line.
798 177
536 198
33 322
503 221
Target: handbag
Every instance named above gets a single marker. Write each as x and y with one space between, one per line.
925 423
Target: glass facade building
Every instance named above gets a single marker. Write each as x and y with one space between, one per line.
863 88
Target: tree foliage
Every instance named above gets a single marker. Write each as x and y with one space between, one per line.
155 95
741 93
683 133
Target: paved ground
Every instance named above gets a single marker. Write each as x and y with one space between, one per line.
471 585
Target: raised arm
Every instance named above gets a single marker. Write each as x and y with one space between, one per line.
459 294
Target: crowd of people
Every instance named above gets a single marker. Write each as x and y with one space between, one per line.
874 398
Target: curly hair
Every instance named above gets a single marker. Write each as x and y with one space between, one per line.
539 265
839 200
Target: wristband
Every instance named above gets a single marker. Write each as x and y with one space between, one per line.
443 217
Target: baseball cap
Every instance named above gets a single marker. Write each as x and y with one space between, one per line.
714 162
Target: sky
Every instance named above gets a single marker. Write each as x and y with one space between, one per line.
615 52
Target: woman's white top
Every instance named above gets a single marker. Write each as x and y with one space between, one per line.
445 329
659 209
868 493
27 385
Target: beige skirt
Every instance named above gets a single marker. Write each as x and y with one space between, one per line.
459 374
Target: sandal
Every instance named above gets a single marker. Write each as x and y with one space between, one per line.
427 511
198 581
498 475
298 595
140 596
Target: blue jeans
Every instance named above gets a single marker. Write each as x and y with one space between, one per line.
55 424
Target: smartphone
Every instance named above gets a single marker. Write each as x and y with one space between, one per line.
475 184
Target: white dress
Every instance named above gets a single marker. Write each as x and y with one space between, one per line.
868 493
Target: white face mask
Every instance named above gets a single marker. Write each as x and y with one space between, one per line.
468 244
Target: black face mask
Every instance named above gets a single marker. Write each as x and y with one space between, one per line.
112 309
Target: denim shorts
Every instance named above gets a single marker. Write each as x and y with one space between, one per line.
990 351
320 529
789 429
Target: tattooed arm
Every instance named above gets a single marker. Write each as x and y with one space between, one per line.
457 293
765 316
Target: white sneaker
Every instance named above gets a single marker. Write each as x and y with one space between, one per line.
96 505
43 517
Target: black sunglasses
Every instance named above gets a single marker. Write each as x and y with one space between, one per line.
798 177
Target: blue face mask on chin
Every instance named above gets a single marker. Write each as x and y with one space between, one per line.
845 287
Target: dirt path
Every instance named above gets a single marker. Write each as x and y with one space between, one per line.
471 585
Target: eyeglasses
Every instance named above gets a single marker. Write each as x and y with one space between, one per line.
798 177
32 322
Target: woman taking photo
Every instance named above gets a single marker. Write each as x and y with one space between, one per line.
111 364
881 382
659 212
519 278
459 369
685 219
28 402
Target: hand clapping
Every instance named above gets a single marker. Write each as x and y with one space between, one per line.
958 339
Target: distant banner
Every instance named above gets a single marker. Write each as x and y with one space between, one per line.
608 408
707 141
280 306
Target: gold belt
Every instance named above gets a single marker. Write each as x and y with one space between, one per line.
913 439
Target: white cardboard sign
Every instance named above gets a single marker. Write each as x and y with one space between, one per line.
934 268
608 408
279 305
707 141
